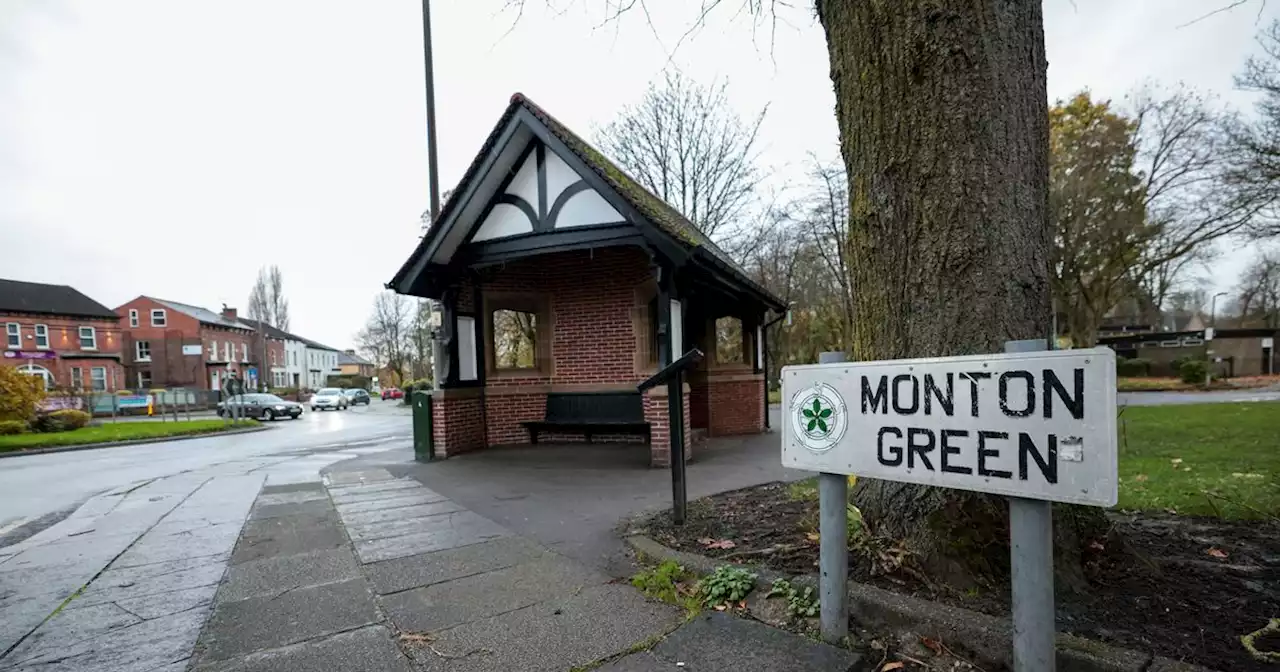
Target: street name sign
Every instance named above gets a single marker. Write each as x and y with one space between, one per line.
1038 425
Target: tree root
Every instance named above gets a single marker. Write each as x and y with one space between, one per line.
1249 642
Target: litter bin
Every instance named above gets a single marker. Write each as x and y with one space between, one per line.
423 443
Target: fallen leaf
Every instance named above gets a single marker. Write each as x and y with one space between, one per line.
895 665
1176 461
933 644
705 541
813 536
722 543
877 645
1217 553
1140 478
1097 546
742 604
719 607
1186 468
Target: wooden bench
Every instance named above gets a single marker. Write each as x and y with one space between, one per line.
591 413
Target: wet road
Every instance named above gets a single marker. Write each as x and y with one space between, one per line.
1222 396
37 485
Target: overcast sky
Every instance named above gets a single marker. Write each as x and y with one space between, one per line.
172 147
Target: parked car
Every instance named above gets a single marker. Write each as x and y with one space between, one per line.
329 397
392 393
260 406
357 396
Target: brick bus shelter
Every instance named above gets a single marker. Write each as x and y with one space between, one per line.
564 283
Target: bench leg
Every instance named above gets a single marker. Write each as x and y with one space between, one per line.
588 435
533 436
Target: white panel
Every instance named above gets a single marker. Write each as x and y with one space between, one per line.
559 176
677 330
466 348
586 208
525 183
504 220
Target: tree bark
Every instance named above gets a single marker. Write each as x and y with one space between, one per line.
943 119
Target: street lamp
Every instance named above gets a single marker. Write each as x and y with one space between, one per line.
433 183
1213 309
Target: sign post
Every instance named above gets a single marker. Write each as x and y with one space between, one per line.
1031 567
833 540
1034 425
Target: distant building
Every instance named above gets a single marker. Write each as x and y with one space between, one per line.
322 362
62 336
172 344
352 364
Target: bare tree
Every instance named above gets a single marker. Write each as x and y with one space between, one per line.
1258 292
685 144
268 307
386 336
1258 142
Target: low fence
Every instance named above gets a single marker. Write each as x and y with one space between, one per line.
134 402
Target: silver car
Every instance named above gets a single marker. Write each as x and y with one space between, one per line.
329 397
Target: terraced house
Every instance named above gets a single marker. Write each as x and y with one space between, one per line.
60 335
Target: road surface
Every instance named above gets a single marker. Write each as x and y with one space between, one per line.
1218 396
36 485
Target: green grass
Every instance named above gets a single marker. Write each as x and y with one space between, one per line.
122 431
775 396
1203 459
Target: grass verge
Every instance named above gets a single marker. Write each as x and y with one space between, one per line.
121 431
1204 459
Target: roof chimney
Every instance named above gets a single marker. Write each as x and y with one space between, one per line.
229 313
350 352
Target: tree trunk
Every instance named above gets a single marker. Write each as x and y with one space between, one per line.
943 124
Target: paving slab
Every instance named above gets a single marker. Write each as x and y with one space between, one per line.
359 477
368 649
274 537
643 661
132 582
245 626
596 623
67 627
290 509
272 575
417 525
415 498
294 497
151 549
382 486
463 528
424 569
157 605
401 513
143 646
444 605
718 642
366 494
313 486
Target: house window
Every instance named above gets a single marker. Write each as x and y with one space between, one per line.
142 351
77 378
98 378
133 317
213 351
273 358
39 372
42 336
88 338
228 351
144 380
729 341
14 333
158 317
244 352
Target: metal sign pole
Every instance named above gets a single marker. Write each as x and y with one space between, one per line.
833 539
1031 563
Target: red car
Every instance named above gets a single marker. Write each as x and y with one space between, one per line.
392 393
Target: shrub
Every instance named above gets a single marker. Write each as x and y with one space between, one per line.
1132 367
1193 371
416 384
19 394
69 419
11 427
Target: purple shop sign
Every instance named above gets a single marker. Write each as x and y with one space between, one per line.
30 354
60 403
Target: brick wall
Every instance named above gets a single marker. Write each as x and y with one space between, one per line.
657 414
736 405
64 340
457 425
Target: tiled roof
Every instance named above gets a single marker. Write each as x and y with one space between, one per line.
203 314
345 357
273 332
654 209
17 296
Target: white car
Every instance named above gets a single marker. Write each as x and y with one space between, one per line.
329 397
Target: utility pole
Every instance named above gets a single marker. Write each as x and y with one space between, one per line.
433 179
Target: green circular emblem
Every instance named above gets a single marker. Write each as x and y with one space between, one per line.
819 417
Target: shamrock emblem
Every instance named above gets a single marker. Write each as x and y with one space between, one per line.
817 416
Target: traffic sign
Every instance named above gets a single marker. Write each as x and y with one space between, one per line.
1039 425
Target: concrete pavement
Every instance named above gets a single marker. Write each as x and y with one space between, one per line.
419 582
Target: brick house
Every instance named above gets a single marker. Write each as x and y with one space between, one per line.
59 334
171 344
558 274
351 364
273 347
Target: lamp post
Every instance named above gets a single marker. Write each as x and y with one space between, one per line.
433 181
1213 309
